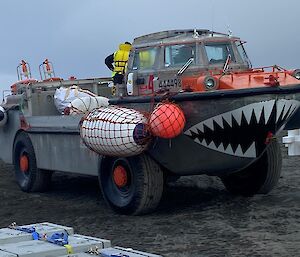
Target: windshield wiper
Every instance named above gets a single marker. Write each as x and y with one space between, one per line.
185 66
226 64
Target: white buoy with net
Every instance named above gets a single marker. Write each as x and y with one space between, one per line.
115 131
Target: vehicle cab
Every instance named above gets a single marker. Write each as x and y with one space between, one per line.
183 60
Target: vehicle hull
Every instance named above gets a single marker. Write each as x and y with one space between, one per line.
225 131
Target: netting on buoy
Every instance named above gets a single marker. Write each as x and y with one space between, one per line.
167 120
115 131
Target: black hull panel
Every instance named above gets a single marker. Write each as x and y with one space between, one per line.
294 122
225 131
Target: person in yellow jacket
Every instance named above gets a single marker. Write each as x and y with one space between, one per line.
146 60
117 61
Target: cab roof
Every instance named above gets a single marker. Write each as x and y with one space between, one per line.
175 36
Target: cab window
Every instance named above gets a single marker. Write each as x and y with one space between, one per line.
177 55
243 53
144 59
218 52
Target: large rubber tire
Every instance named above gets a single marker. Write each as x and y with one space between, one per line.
258 178
144 187
30 179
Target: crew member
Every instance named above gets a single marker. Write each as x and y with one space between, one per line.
117 61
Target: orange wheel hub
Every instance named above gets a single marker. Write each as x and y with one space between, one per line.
24 163
120 176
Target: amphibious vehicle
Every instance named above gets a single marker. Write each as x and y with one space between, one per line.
233 114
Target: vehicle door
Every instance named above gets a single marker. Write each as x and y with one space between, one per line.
142 71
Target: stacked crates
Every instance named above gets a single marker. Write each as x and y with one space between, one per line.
52 240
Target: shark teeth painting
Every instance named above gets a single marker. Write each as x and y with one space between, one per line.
243 132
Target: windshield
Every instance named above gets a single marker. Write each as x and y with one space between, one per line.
144 59
243 53
177 55
218 52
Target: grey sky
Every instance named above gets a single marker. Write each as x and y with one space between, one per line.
76 35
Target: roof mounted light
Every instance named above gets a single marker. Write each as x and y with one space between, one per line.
196 34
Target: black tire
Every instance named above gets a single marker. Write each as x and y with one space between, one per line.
258 178
32 179
143 190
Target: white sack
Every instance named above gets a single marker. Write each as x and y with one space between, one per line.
64 96
87 104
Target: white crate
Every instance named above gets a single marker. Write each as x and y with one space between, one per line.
75 255
9 235
16 243
39 248
47 227
120 251
6 254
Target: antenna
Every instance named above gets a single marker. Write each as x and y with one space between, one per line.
229 30
212 16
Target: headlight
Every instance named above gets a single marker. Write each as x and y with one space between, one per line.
296 74
211 83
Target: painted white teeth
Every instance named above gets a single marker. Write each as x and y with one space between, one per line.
194 130
221 148
229 150
218 119
228 118
295 105
287 107
251 151
248 114
237 114
209 123
198 141
293 109
268 107
258 112
238 151
188 133
203 143
200 127
279 106
212 146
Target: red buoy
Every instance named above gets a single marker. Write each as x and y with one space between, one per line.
167 120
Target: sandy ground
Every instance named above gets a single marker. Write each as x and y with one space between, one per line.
196 217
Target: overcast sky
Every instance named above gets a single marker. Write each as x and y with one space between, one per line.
77 35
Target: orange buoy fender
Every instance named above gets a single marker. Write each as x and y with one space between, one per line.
167 120
115 131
